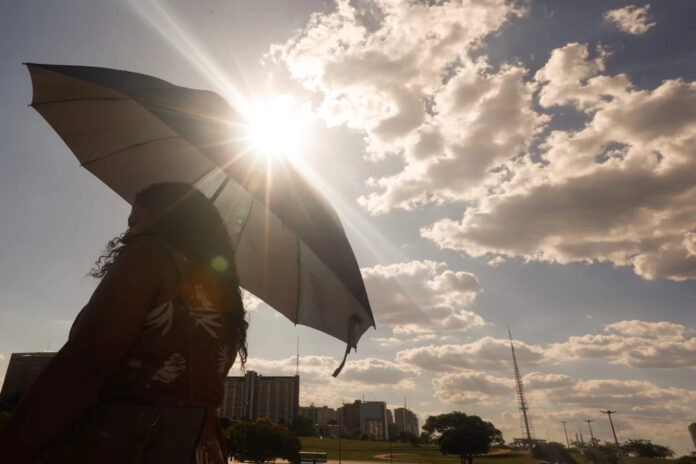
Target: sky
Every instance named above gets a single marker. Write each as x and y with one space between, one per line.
495 164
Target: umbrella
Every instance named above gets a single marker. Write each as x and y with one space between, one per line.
132 130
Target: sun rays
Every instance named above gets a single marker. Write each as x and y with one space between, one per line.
275 127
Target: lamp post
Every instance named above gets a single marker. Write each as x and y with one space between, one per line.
592 439
613 431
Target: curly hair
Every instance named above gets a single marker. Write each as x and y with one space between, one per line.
188 221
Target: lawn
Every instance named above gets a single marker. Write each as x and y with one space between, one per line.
359 450
378 451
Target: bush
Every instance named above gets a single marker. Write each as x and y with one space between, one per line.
601 454
552 452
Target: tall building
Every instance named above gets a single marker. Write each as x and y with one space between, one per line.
274 397
367 417
319 415
22 371
406 421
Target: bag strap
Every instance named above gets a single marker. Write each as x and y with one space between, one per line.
176 258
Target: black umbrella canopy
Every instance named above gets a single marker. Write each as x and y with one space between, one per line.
132 130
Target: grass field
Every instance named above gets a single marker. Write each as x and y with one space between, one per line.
378 451
359 450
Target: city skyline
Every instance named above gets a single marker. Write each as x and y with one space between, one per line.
496 163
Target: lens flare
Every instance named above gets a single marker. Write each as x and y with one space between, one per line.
278 127
219 264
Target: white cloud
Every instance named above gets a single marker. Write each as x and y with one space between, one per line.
405 79
485 353
634 395
358 375
544 381
469 386
617 190
662 329
632 343
371 373
419 297
631 19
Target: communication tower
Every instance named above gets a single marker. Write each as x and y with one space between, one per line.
519 388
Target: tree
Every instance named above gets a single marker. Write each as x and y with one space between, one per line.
424 438
303 426
552 452
262 441
646 449
597 453
462 435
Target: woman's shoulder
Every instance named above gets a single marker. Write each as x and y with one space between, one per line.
147 251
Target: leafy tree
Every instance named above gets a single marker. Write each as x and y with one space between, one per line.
424 438
552 452
303 426
462 435
262 441
601 454
646 449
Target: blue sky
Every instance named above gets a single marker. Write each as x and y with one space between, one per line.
526 164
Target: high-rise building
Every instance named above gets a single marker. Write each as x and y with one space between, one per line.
22 371
252 396
319 415
234 404
406 421
367 417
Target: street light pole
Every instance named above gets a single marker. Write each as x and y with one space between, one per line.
592 439
611 422
613 431
566 433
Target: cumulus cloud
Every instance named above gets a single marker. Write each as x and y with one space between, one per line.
469 386
485 353
632 343
417 298
634 395
401 73
544 381
358 376
617 190
559 396
631 19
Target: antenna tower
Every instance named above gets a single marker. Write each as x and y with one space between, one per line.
520 393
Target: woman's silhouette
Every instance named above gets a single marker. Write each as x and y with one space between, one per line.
169 276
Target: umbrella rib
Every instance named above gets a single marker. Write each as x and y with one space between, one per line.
130 147
70 100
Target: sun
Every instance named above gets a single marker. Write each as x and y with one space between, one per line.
279 126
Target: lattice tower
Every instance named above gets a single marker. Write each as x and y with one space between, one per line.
522 400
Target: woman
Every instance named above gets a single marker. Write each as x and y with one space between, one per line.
170 276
